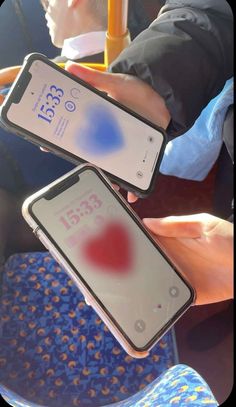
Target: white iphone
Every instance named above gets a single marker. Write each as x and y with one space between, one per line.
101 243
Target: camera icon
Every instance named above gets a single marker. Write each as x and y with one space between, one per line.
139 325
174 292
139 174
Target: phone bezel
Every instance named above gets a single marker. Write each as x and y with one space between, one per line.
18 89
129 210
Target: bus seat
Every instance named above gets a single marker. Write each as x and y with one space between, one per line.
55 350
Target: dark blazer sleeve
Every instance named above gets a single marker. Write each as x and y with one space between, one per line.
96 58
186 55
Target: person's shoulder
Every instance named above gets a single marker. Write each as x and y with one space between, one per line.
217 6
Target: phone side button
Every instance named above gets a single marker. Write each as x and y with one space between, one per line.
41 237
55 255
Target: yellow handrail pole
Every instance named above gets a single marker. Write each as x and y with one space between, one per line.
117 36
8 75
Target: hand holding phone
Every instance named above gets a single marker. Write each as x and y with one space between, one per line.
104 247
62 113
202 247
129 91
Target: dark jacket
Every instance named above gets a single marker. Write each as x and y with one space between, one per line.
186 55
96 58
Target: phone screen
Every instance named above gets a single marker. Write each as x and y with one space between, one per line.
111 253
67 114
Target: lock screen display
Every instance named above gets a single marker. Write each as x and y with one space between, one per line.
120 265
72 117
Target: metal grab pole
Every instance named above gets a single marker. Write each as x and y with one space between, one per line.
117 36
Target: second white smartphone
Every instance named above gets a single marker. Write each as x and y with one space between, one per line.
104 247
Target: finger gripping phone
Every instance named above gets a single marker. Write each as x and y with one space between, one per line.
103 246
56 110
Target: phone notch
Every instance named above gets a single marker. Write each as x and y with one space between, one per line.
62 186
21 86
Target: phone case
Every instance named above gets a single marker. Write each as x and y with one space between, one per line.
62 261
61 152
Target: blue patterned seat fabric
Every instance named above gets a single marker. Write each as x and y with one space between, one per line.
56 351
180 385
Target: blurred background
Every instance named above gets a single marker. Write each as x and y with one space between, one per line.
23 28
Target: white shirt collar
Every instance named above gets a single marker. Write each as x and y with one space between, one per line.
84 45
